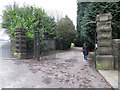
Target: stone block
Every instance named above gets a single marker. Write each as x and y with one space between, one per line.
104 43
104 35
104 51
108 24
104 17
92 55
103 29
19 55
104 62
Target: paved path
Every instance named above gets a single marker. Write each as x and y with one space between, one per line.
68 70
111 76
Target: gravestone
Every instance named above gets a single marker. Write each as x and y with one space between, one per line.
104 57
20 43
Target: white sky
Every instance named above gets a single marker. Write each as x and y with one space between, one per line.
53 7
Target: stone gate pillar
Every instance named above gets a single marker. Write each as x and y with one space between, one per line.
104 57
20 43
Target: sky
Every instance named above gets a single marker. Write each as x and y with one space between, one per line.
56 8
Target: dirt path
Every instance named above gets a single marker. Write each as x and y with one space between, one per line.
65 70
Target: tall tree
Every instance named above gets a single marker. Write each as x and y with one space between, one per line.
86 25
66 32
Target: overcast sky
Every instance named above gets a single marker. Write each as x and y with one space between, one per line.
53 7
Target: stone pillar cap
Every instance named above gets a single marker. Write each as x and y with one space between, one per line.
21 30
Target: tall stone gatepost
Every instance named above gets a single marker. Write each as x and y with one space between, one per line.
104 57
20 43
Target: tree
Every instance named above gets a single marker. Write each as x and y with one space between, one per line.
66 33
30 18
86 25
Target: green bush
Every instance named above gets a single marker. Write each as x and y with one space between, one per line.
30 18
66 33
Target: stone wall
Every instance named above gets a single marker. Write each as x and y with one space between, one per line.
115 52
119 59
50 44
104 56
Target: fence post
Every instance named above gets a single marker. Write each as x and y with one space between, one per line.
36 45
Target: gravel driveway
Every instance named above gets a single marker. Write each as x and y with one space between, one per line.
66 70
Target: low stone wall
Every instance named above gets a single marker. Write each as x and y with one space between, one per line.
119 58
92 55
116 51
50 44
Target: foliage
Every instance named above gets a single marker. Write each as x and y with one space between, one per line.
66 33
30 18
86 25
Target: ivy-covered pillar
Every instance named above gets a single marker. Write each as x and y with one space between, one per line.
104 57
20 43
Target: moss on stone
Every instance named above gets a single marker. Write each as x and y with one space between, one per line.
98 66
19 55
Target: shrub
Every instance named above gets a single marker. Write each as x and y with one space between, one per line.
30 18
